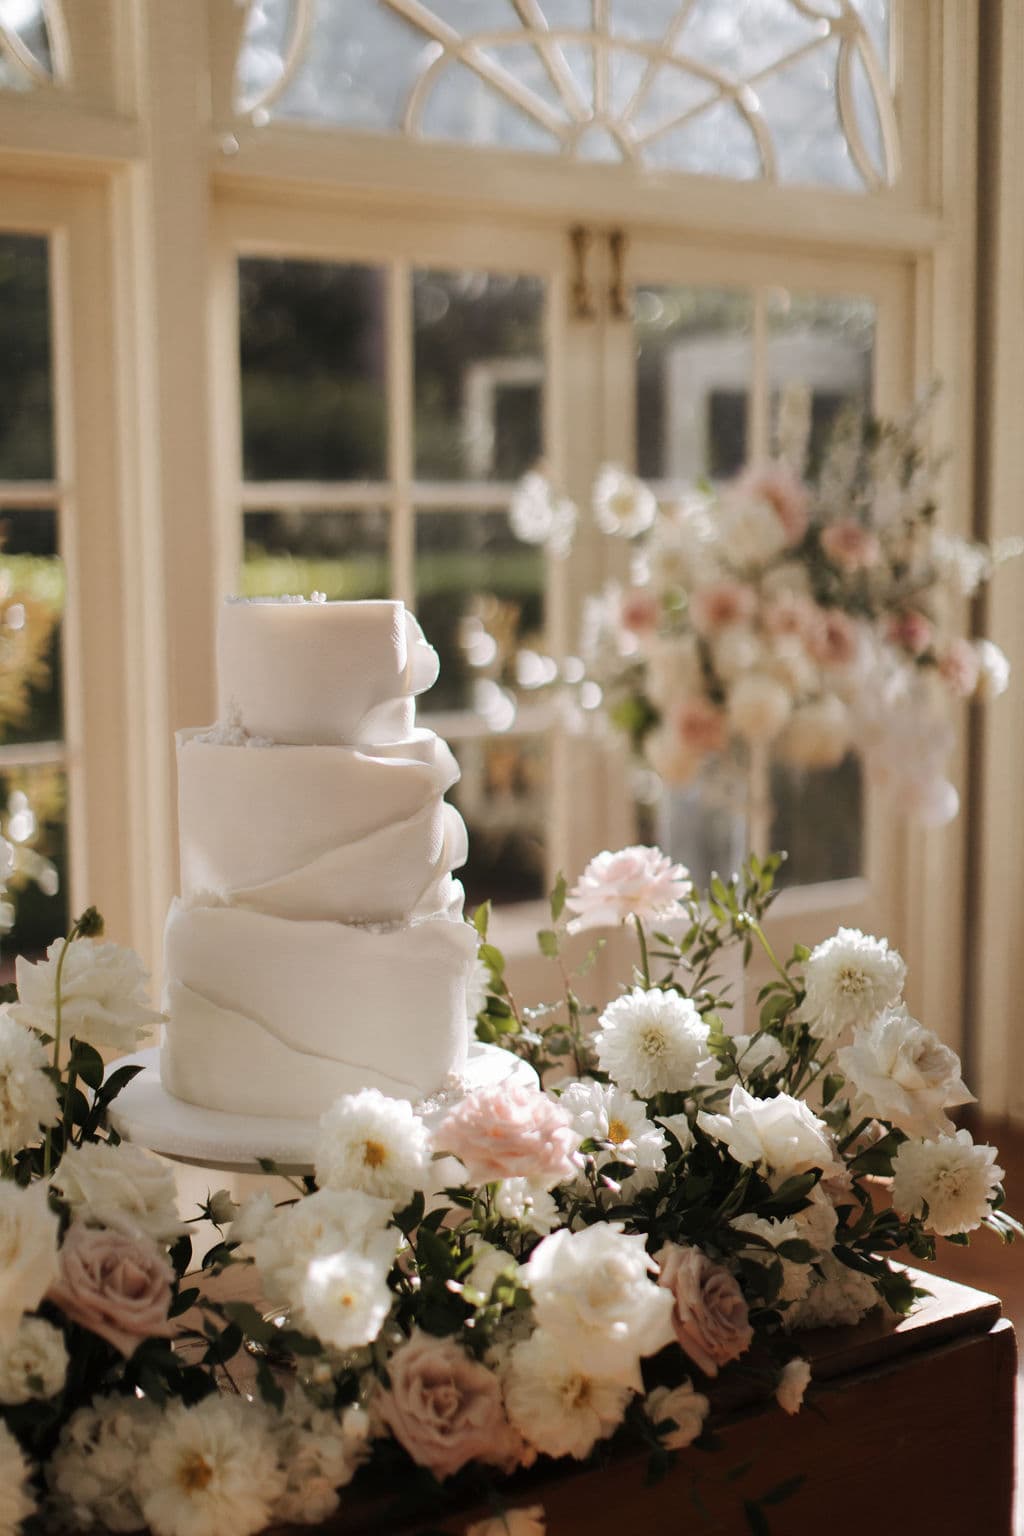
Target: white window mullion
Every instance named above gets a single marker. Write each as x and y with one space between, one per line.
401 435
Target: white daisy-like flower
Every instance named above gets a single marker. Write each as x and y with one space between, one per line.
320 1452
210 1469
93 1473
32 1364
795 1277
328 1222
28 1099
528 1204
344 1299
558 1405
16 1502
849 979
685 1407
837 1298
539 515
641 883
898 1071
606 1113
375 1144
623 505
651 1042
781 1135
123 1188
103 994
792 1384
952 1177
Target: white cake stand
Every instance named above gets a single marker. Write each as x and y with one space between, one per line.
147 1114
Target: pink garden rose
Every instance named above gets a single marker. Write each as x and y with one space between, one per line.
851 546
785 494
710 1315
445 1409
833 639
700 726
721 604
510 1133
116 1286
634 882
639 611
911 630
959 668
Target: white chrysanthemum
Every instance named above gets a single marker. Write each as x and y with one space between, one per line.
849 979
344 1299
369 1142
28 1252
123 1188
32 1364
558 1405
606 1113
634 882
28 1099
539 515
513 1522
623 505
16 1502
528 1204
818 733
792 1384
651 1042
93 1473
594 1293
103 995
211 1469
320 1452
781 1135
685 1407
898 1071
329 1222
759 707
955 1179
838 1298
253 1215
795 1277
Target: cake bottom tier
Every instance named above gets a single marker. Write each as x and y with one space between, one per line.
272 1017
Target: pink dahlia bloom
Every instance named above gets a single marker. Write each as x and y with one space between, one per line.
959 668
639 611
786 495
710 1314
833 640
911 630
634 882
851 546
116 1286
721 604
511 1133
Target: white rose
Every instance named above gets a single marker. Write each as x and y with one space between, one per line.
818 733
759 707
16 1502
951 1176
33 1363
102 992
28 1252
121 1187
898 1071
594 1293
685 1407
781 1134
28 1099
848 980
792 1384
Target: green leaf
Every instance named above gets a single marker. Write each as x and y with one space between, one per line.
250 1320
87 1063
270 1389
482 918
267 1164
831 1086
796 1250
558 896
183 1301
492 958
117 1080
547 941
408 1220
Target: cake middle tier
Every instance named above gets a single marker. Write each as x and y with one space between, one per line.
271 1017
319 833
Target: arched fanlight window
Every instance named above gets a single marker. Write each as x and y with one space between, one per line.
780 90
34 48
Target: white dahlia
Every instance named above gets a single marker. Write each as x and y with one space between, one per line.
652 1042
560 1406
93 1473
896 1070
686 1408
369 1142
32 1364
16 1502
849 979
952 1177
28 1099
211 1469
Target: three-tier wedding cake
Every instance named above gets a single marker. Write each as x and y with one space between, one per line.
318 946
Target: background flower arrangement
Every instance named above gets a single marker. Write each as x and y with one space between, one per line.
800 613
543 1274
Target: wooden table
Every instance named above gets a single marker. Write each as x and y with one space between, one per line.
907 1431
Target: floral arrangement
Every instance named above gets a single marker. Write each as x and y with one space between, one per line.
520 1275
800 615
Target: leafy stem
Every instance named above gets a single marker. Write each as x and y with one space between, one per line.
645 962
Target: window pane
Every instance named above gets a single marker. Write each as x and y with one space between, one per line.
502 796
31 604
342 554
479 374
818 822
32 815
313 351
479 597
823 344
694 369
26 392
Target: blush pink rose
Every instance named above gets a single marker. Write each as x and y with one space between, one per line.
445 1409
785 494
833 639
710 1314
850 546
959 667
700 727
510 1133
116 1286
911 630
639 611
721 604
632 882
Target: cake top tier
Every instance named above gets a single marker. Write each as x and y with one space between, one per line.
319 673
